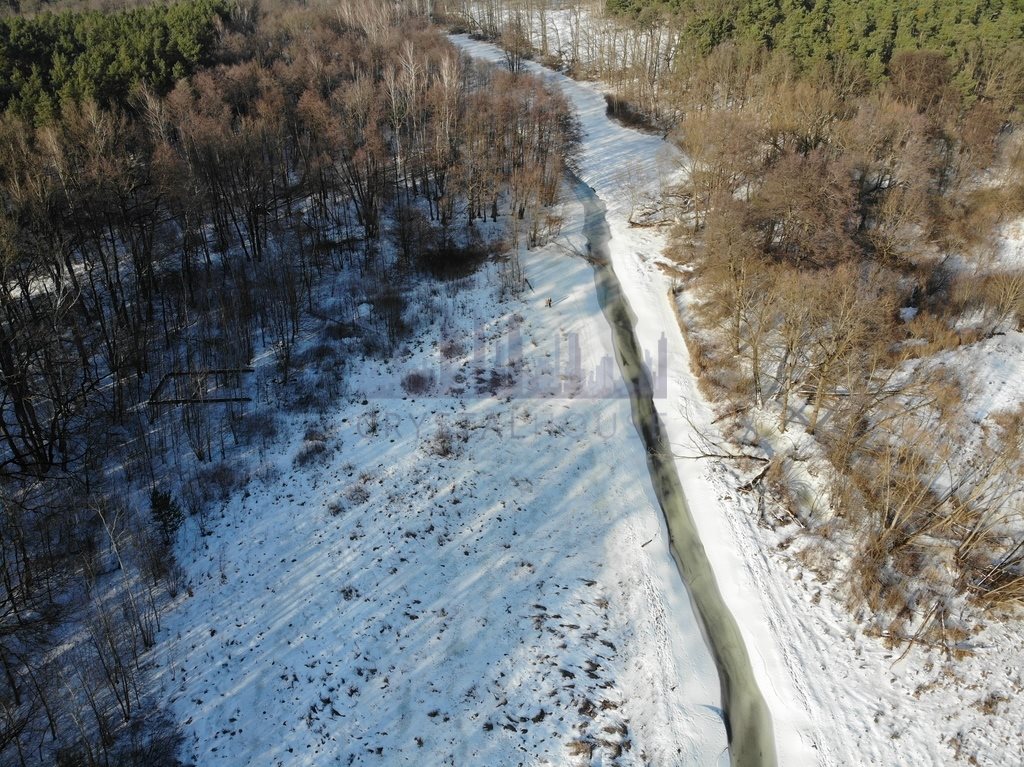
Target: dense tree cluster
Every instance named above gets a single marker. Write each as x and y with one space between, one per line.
186 231
977 36
75 55
818 209
648 51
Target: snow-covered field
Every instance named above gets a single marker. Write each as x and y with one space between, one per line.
467 576
838 697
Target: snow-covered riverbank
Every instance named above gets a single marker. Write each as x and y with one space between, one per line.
837 697
622 165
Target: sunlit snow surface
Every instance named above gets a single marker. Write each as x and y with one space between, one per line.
490 607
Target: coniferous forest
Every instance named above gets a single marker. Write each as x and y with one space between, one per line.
77 55
975 35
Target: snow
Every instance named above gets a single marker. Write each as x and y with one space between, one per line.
992 371
576 35
615 162
476 575
461 577
837 697
1009 246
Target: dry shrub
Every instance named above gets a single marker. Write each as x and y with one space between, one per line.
992 702
580 748
357 494
318 355
699 353
904 570
705 362
261 426
150 740
1011 430
418 382
795 496
452 261
458 25
1004 297
314 434
551 61
443 443
816 560
625 112
219 481
725 380
337 331
1002 589
930 334
158 562
998 297
972 224
451 349
947 397
316 395
314 447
